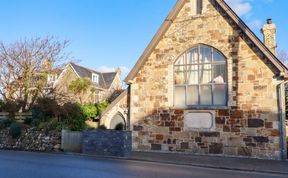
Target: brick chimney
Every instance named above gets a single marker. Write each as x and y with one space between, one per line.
269 33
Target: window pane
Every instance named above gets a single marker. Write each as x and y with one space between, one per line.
181 60
192 56
192 74
218 57
180 96
192 95
219 95
205 54
199 7
180 75
205 73
219 73
205 95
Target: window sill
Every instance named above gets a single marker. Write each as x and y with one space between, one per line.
201 107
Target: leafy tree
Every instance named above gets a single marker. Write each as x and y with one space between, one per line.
79 87
101 107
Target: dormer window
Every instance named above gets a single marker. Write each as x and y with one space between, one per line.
199 7
95 78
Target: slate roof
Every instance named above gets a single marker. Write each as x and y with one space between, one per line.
109 77
105 79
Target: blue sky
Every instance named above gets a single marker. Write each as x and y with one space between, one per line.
106 34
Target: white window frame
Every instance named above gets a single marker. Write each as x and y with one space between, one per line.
199 85
51 78
95 78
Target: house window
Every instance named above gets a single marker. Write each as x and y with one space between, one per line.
51 78
95 78
199 7
200 78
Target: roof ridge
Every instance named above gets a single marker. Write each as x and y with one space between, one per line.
91 70
108 72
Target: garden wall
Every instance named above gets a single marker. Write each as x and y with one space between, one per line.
31 139
107 143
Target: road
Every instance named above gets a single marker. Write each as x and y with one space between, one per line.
41 165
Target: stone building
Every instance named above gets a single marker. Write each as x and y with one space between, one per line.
103 85
206 85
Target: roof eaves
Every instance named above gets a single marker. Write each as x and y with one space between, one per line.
122 95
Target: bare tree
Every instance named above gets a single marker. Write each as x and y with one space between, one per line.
283 56
25 66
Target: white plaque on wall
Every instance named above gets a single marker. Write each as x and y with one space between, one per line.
199 121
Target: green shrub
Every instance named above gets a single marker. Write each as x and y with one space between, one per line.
73 117
89 111
5 123
15 130
52 124
28 121
119 126
101 107
44 110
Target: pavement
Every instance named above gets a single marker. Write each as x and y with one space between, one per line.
225 163
15 164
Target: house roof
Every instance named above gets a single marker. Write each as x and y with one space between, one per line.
105 79
282 69
119 98
109 77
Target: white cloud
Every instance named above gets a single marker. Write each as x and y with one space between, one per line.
105 69
241 7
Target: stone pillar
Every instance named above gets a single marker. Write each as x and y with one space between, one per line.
269 33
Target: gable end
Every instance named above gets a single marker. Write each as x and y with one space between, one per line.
276 65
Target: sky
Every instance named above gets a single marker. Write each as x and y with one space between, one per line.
108 34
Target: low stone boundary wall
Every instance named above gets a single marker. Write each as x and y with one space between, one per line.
107 143
31 139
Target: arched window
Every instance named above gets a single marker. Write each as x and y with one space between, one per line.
200 78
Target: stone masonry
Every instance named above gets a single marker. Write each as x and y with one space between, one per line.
248 126
107 143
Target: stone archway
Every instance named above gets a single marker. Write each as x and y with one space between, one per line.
118 118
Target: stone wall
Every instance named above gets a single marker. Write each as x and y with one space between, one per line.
107 143
235 134
31 139
247 126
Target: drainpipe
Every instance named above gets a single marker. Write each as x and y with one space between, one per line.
129 83
282 116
